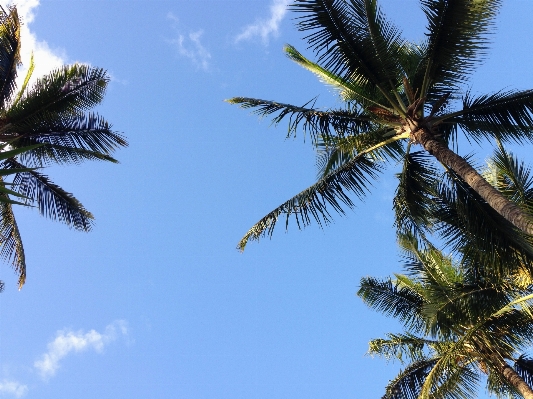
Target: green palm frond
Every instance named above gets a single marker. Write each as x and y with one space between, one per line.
334 152
349 89
353 40
73 138
457 40
47 123
511 177
51 200
391 299
458 382
524 367
313 121
404 347
505 114
11 248
414 199
68 90
27 78
9 51
470 227
408 382
451 376
332 190
500 388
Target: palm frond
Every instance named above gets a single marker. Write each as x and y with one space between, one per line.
333 152
11 248
457 40
349 89
498 386
352 40
458 382
73 138
408 383
52 200
450 378
68 90
27 78
524 367
470 227
400 346
393 300
9 52
505 114
313 121
312 203
414 200
511 177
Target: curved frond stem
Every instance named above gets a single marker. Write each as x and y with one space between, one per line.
317 122
27 78
342 38
349 89
353 176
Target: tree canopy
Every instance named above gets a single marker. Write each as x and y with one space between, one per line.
398 95
48 123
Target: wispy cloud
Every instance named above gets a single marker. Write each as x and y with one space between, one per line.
12 388
190 45
67 342
45 58
264 28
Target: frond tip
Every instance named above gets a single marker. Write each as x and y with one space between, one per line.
354 176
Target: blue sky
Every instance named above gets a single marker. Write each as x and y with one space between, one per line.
156 302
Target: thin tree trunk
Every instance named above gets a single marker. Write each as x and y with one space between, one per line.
509 210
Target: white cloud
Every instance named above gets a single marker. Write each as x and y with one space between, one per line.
12 388
190 46
45 58
264 28
67 342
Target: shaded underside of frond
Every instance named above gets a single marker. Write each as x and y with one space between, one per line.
340 122
312 204
513 178
11 248
9 52
334 152
67 90
471 227
393 300
524 367
408 382
352 40
414 203
507 115
457 41
51 200
70 138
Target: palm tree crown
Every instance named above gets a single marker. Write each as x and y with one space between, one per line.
461 324
47 123
398 95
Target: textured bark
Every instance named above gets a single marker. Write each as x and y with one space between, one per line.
459 165
515 380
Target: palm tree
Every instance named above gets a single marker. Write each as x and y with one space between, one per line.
47 123
460 324
398 95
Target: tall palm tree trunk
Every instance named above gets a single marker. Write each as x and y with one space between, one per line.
509 210
514 378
